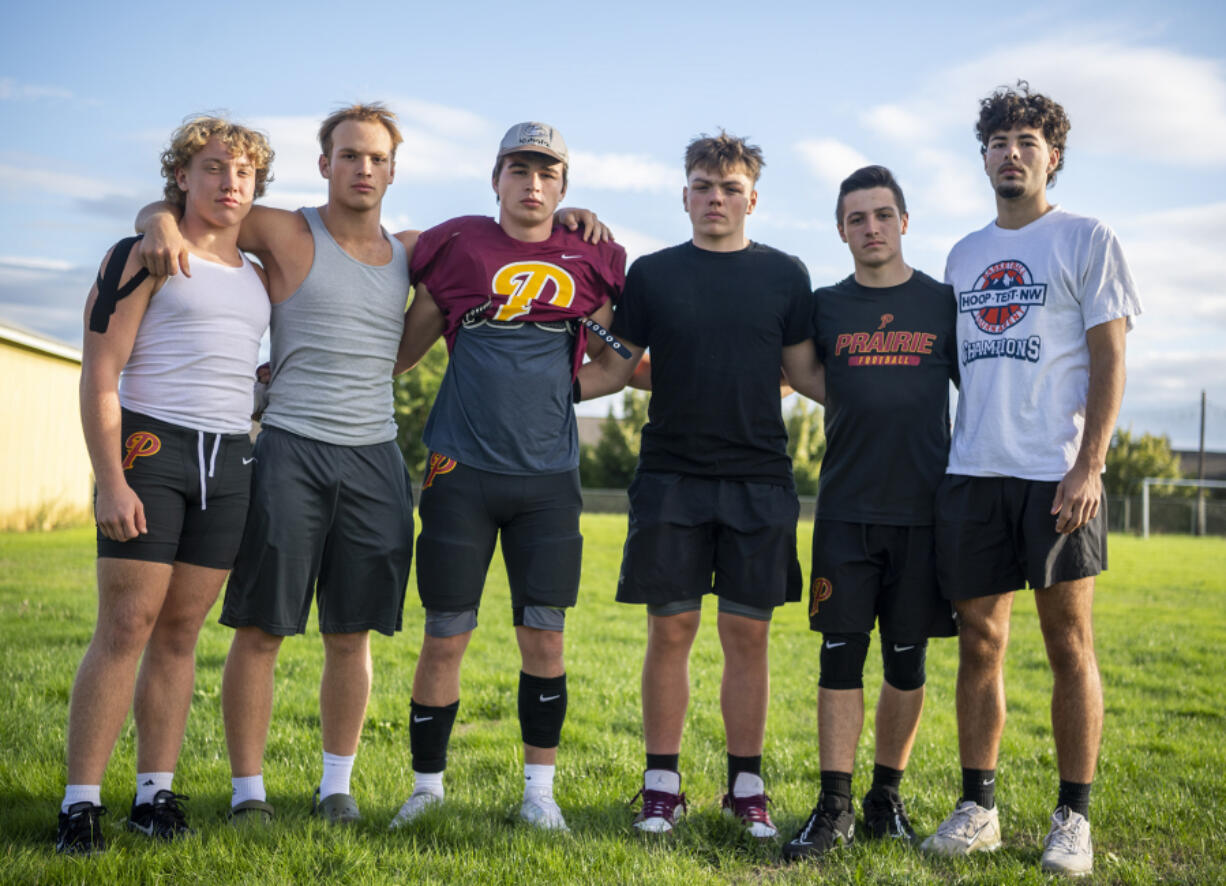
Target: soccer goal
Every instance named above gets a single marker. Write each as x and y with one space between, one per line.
1159 481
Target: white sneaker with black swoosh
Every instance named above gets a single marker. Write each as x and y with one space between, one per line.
969 828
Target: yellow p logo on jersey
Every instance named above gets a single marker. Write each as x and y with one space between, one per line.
524 282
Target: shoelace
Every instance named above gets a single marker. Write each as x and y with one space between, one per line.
752 808
660 804
1066 836
957 825
167 807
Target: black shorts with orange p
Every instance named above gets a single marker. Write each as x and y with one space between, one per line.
463 512
194 487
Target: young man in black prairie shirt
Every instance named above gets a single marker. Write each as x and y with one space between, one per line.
886 338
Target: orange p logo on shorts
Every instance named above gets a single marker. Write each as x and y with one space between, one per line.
139 443
439 464
821 590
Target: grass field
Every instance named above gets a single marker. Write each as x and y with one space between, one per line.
1159 807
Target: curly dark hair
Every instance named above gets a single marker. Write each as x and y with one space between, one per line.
1008 107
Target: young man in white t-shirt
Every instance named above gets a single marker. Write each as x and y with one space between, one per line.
1044 302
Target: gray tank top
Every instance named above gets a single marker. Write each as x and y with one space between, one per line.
334 345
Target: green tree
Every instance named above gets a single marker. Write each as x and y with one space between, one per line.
414 393
1131 459
609 463
806 443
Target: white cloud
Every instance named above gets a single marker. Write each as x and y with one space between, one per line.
636 243
625 172
11 90
34 264
829 159
950 186
1154 101
55 182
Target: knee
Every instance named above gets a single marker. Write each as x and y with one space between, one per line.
123 633
255 643
443 651
347 646
982 643
842 660
541 651
672 634
1070 649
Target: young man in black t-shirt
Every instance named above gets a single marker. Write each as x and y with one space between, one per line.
886 339
712 507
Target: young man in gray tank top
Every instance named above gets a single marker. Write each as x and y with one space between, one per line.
338 284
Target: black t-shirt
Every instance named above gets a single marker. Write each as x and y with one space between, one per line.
889 355
716 324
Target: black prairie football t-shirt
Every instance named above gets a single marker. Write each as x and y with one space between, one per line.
889 353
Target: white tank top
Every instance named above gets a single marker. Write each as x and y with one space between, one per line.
193 362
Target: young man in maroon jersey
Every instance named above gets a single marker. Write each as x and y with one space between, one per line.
511 296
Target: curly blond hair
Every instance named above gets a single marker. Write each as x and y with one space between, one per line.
194 134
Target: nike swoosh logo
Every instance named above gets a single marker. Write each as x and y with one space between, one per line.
248 461
989 782
898 648
147 830
565 256
417 719
830 645
545 698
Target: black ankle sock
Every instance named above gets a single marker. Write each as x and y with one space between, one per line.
671 762
836 790
979 785
1075 796
886 778
742 764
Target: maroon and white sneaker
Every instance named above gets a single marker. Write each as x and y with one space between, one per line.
662 802
747 802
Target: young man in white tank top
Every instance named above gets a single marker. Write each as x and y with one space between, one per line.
365 577
169 450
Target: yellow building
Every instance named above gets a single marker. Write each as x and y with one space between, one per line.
45 474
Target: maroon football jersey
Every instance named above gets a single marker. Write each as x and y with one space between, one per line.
474 270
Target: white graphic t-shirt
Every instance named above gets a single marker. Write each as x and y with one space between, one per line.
1025 300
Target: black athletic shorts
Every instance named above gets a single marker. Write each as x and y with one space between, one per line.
690 536
464 510
326 521
865 573
194 487
997 534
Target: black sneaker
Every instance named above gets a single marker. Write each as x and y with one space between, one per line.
80 831
825 830
885 817
163 818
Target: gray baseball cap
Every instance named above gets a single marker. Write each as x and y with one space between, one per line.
539 138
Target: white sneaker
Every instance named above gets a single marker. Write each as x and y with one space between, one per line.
969 828
418 803
1067 849
541 811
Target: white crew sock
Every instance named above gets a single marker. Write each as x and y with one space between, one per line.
149 783
337 770
662 780
428 782
748 785
247 787
81 793
538 779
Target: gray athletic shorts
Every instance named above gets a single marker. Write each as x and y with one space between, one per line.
690 536
997 534
326 521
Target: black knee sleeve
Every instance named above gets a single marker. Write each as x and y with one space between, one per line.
542 708
429 733
842 660
904 663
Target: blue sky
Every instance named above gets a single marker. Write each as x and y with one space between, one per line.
89 94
